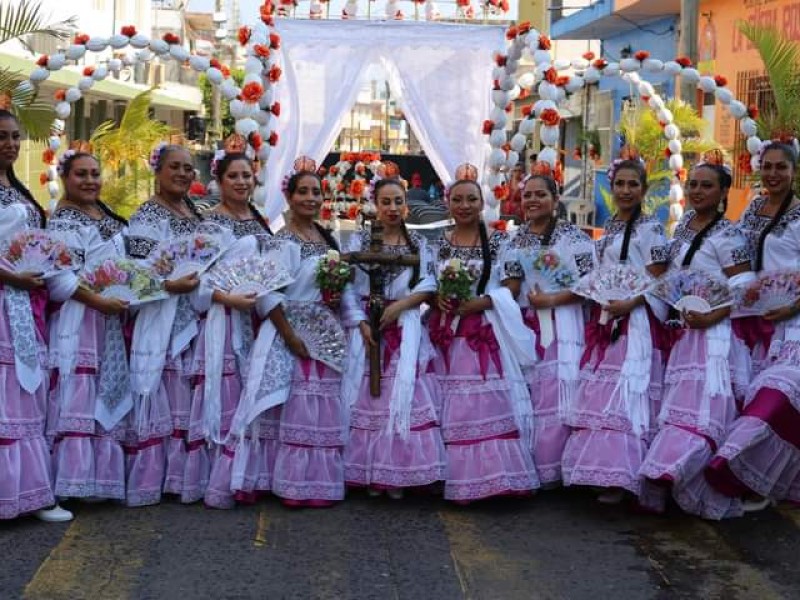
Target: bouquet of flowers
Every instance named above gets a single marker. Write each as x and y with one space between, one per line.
772 289
548 271
249 274
181 256
37 251
125 279
620 282
455 285
320 331
690 289
332 275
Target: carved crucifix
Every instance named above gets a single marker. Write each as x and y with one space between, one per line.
373 262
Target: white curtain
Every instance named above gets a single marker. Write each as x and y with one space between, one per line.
440 74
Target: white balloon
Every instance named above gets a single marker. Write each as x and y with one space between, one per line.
592 75
549 134
542 57
214 75
707 84
515 92
611 70
737 109
159 46
237 109
665 115
676 162
100 73
76 51
755 163
575 83
114 65
264 152
690 75
497 138
527 126
118 41
501 121
512 159
494 179
25 87
675 212
199 63
724 95
526 80
580 64
653 65
672 68
56 61
671 131
497 158
675 146
507 84
646 88
96 44
656 102
39 74
245 127
541 105
53 189
178 52
754 144
144 55
675 193
140 41
561 64
229 90
634 78
518 142
54 143
549 155
62 110
85 83
498 73
500 98
261 117
252 78
629 65
748 126
52 172
73 94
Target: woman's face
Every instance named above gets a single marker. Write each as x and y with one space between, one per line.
777 173
466 203
82 184
703 190
627 189
237 182
176 173
537 200
10 137
306 199
390 203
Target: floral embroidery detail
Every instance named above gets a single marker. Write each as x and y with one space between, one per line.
585 263
239 228
307 249
659 254
10 195
69 219
152 213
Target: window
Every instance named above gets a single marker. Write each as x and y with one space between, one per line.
752 87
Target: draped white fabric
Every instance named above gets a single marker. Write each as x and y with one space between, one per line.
440 74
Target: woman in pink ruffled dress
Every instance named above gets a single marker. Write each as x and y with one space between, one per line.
156 443
486 407
760 458
395 441
25 474
554 314
622 367
92 392
699 403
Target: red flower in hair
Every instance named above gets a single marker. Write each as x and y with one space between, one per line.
128 30
275 109
43 179
42 60
48 156
273 139
80 39
600 64
527 110
752 111
261 51
197 189
720 80
544 42
501 60
551 75
642 55
274 41
88 71
252 92
588 56
524 27
550 117
511 32
244 34
488 126
60 95
684 61
171 38
274 74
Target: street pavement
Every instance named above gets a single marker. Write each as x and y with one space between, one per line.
559 544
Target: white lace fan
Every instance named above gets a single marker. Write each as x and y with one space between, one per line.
772 289
193 253
690 289
257 274
620 282
320 331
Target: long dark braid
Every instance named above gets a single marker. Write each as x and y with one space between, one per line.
20 187
327 236
486 271
762 238
104 207
259 217
193 207
414 247
626 238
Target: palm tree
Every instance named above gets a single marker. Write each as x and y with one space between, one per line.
19 20
123 151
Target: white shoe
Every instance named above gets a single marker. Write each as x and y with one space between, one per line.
54 515
756 505
395 493
613 496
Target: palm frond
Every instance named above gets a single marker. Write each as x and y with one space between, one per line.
26 17
35 118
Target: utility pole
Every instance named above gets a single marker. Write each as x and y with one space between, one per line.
690 14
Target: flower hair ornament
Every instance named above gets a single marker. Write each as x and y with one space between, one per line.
155 156
218 156
787 139
464 172
715 158
539 169
626 153
386 170
302 164
63 159
76 147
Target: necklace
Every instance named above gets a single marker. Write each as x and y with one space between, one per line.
311 235
472 244
180 210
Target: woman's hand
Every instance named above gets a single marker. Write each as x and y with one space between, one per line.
445 304
110 306
472 306
182 285
25 281
297 347
696 320
782 314
621 308
366 333
391 313
242 302
539 300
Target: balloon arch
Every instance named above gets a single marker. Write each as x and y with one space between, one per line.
254 110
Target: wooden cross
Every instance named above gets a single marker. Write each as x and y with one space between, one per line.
372 262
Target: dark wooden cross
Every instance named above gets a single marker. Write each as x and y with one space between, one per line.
373 262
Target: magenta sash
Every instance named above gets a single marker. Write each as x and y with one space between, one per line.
753 330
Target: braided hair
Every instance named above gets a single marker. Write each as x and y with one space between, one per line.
638 167
790 154
16 183
725 180
410 241
552 187
486 269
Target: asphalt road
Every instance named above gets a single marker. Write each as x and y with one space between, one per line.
560 544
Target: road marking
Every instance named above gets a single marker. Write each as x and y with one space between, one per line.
100 556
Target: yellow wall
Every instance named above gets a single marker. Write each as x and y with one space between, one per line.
536 12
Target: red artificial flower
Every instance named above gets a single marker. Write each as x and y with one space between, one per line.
524 27
558 173
488 126
215 63
88 71
128 30
256 141
684 61
274 41
273 139
562 80
48 156
500 224
600 64
275 109
274 74
523 93
243 34
171 38
334 170
526 110
501 60
252 92
544 42
357 188
352 211
642 55
43 178
509 107
720 80
42 60
197 189
588 56
326 186
60 95
500 192
511 32
80 39
744 163
340 187
261 51
577 154
226 72
681 174
667 152
550 117
752 111
551 75
496 84
325 213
